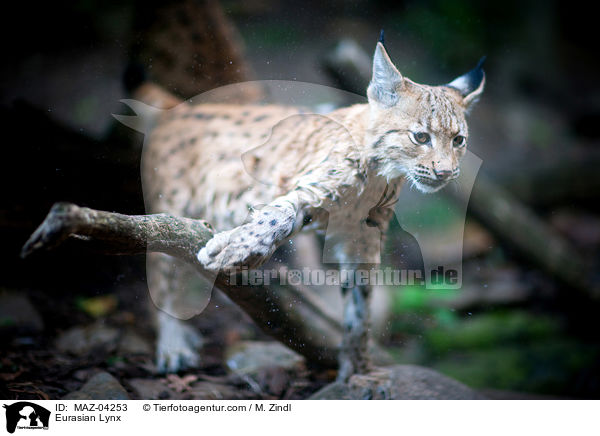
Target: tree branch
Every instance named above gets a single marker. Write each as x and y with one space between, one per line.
281 312
520 228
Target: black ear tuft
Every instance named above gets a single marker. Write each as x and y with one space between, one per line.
481 62
381 38
476 75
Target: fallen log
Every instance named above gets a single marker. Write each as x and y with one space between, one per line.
567 177
521 229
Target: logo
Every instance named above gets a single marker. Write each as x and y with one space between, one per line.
26 415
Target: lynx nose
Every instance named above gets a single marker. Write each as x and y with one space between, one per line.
442 174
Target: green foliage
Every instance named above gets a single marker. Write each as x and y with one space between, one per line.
507 349
415 298
490 330
443 24
85 109
114 360
6 321
542 133
437 214
549 366
272 35
98 306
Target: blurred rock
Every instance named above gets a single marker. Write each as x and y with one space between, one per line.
84 374
401 382
249 357
274 380
83 340
217 391
496 394
102 386
151 389
17 311
158 389
132 343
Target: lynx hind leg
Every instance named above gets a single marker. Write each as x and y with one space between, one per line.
178 293
353 356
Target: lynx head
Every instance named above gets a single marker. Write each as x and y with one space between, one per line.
418 131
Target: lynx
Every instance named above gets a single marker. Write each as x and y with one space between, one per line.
345 168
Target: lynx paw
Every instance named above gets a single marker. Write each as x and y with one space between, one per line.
250 244
176 346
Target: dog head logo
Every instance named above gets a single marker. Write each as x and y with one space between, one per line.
26 415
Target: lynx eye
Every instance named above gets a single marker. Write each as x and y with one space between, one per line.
422 137
459 141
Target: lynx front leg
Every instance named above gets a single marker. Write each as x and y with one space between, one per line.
354 357
351 241
253 243
177 342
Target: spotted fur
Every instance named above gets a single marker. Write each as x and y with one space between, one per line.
338 173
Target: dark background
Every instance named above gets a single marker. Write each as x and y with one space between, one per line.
62 78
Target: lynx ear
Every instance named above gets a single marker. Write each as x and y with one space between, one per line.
386 80
470 85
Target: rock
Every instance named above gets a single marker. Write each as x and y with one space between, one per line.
82 375
217 391
496 394
132 343
102 386
274 380
17 311
249 357
81 341
158 389
151 389
400 382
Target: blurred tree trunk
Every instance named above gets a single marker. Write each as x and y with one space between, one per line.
568 177
518 227
189 47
